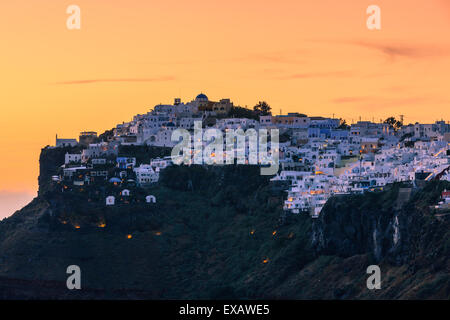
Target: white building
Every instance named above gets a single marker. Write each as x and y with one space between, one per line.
145 175
150 199
72 158
110 201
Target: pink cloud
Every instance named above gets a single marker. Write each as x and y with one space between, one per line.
308 75
86 81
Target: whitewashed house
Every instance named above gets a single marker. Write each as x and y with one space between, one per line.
145 174
110 201
161 163
72 158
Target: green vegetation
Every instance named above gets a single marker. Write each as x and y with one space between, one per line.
143 154
396 124
343 125
207 243
240 112
216 232
262 108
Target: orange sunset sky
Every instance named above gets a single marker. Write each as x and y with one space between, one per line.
316 57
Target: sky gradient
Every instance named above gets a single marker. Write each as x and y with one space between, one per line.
314 57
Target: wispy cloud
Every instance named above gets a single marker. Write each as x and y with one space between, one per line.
394 51
288 57
87 81
351 99
294 56
309 75
397 88
372 103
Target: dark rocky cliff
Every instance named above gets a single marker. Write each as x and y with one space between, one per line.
397 225
216 232
50 160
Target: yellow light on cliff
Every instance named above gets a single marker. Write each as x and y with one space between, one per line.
129 236
265 261
252 232
77 227
158 233
102 225
274 233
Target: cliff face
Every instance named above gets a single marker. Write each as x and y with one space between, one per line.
397 225
50 160
358 224
395 229
216 232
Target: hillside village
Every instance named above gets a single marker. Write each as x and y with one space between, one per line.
319 157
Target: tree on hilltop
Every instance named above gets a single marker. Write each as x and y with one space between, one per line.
262 108
343 125
396 124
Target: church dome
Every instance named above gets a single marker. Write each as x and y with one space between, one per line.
201 97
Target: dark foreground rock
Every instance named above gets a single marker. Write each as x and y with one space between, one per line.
216 233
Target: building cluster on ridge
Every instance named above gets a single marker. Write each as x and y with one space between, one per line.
319 157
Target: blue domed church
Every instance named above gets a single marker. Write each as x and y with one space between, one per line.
203 104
